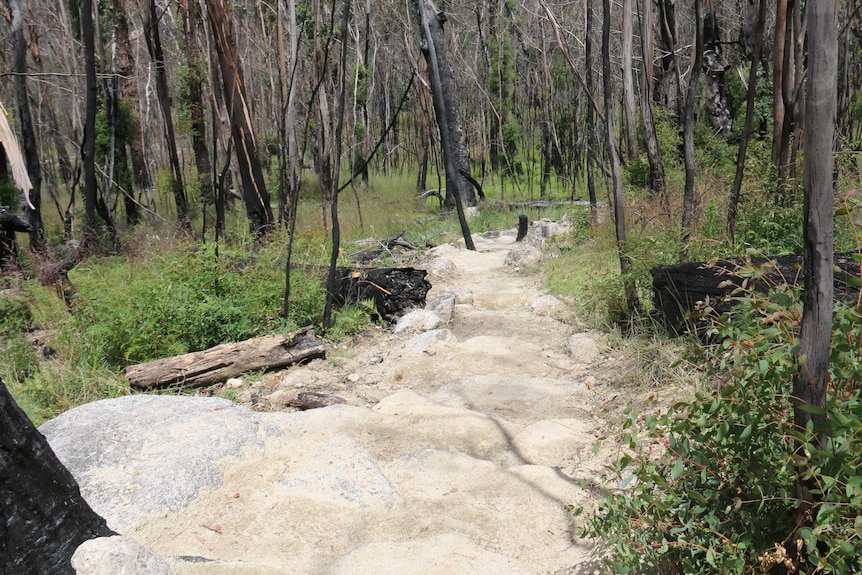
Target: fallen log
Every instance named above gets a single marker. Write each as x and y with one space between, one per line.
394 290
217 364
680 290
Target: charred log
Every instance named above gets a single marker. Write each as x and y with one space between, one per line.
393 290
680 291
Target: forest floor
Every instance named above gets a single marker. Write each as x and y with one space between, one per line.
459 450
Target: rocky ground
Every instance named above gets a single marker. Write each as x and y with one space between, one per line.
464 434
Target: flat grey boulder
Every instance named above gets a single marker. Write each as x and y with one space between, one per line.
142 454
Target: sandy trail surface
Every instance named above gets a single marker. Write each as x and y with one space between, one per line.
456 450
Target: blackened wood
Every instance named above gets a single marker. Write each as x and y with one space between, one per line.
219 363
522 228
679 289
394 290
45 518
313 400
11 222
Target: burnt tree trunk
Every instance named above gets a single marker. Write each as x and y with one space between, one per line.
254 192
154 45
45 518
197 72
88 151
445 100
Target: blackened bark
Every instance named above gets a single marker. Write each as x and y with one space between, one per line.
45 518
191 19
89 145
154 45
445 99
254 192
28 131
670 89
128 84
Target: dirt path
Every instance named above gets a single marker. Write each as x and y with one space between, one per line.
457 450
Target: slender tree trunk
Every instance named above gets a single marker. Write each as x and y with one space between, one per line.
670 87
322 144
733 202
714 66
45 518
688 131
658 187
592 144
194 95
630 115
458 189
331 279
28 130
632 299
777 78
89 145
125 63
254 192
809 385
154 45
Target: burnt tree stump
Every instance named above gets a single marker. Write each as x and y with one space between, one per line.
522 228
679 290
44 517
394 290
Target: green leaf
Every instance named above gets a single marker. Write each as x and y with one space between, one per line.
678 469
747 431
710 556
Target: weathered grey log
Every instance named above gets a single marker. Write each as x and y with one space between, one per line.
45 517
394 290
227 360
679 290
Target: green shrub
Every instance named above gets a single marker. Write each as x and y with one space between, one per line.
709 486
186 300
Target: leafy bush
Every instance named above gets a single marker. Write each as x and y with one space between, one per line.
709 486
